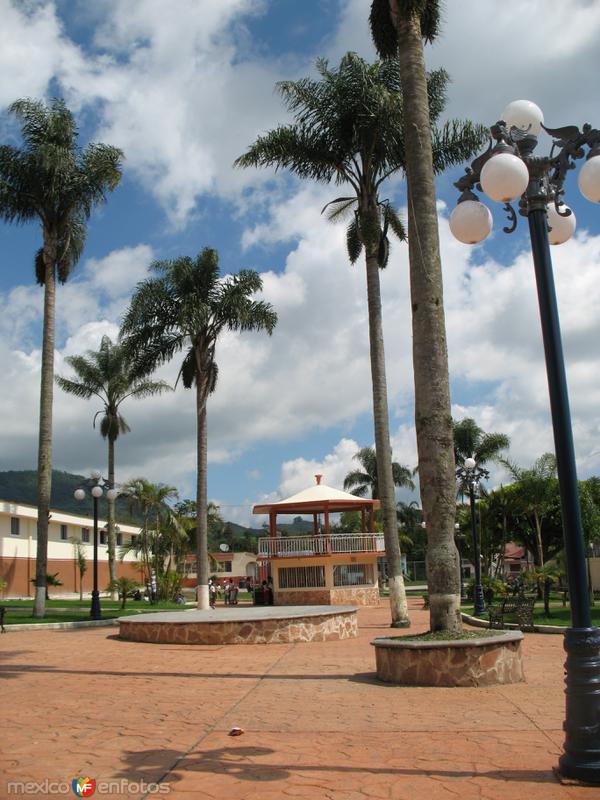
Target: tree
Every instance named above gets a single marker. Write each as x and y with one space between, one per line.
537 495
470 441
55 182
107 375
152 500
187 307
348 129
81 561
399 28
360 482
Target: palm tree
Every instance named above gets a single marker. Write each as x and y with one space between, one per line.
537 494
152 500
360 482
349 130
186 308
399 28
107 374
470 441
53 181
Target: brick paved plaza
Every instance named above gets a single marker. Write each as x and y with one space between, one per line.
317 723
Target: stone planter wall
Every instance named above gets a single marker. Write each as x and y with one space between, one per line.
464 662
340 596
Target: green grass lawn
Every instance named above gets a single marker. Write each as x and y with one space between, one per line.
559 615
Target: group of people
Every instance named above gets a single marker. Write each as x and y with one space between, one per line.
230 591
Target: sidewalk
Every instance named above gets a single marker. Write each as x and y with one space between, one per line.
317 723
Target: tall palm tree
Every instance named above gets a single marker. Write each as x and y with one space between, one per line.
349 129
360 482
106 374
55 182
399 28
187 307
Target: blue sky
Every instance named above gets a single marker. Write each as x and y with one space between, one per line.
183 94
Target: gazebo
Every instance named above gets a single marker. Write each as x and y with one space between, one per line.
323 568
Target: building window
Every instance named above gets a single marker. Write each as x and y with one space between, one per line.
15 526
353 575
102 537
223 566
301 577
134 539
119 539
85 534
63 533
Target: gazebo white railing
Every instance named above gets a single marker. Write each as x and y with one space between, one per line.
297 546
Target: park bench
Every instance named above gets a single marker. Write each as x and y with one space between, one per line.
519 606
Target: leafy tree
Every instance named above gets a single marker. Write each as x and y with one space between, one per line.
187 307
124 588
107 375
470 441
399 28
53 181
348 129
52 579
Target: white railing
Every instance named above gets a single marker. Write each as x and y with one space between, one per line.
296 546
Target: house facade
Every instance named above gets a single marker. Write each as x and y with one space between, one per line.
18 543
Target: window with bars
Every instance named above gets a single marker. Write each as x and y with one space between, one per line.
15 526
353 575
85 534
63 533
301 577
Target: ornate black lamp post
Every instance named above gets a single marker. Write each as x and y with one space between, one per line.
470 474
509 171
95 484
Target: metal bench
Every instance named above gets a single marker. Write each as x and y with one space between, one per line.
520 607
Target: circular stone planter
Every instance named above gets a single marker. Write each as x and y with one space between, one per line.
243 625
485 661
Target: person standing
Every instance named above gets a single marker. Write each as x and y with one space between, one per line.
233 594
227 590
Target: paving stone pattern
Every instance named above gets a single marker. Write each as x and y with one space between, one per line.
318 724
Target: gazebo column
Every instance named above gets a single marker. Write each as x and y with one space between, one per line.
371 519
363 520
316 524
327 530
273 524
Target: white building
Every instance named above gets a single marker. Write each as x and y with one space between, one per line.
18 542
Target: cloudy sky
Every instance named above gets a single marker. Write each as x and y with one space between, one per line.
183 94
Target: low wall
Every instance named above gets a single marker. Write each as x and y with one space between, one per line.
463 662
340 596
251 628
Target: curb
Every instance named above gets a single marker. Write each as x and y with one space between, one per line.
60 626
477 622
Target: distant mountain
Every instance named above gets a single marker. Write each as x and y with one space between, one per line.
21 487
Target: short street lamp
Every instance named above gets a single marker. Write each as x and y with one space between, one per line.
506 172
95 484
471 474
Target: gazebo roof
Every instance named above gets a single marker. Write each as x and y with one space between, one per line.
315 500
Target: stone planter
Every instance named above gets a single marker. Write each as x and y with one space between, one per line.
485 661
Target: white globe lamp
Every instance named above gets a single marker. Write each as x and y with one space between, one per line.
525 115
561 228
470 463
589 179
96 491
470 222
112 494
79 494
504 177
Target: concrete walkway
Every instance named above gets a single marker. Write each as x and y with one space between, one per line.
317 723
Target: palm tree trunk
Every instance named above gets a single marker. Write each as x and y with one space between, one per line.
44 487
430 358
111 537
201 502
383 450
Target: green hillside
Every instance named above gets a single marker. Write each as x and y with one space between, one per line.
21 487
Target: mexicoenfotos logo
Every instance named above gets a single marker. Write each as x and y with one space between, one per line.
83 787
